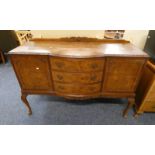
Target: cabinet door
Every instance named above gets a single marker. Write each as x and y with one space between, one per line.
32 71
122 74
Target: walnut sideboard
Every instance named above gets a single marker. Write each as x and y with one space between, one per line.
78 68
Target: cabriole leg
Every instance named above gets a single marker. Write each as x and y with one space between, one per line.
137 114
2 57
23 98
131 102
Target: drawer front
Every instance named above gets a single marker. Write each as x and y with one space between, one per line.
77 77
77 65
149 106
77 89
32 71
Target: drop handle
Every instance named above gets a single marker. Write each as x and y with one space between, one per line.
93 78
94 66
60 77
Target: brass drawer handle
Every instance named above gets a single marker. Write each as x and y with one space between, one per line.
61 88
93 78
59 77
59 64
94 66
37 68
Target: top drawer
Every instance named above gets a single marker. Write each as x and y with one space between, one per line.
77 65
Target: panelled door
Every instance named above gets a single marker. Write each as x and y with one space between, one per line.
32 71
122 74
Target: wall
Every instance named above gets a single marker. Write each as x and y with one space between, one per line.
68 33
137 37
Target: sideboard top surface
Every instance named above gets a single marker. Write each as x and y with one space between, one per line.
79 49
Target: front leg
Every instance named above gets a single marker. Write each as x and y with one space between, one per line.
131 102
23 98
137 113
2 57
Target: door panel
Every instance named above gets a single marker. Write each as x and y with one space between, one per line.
121 74
33 72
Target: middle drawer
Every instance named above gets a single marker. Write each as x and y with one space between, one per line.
86 78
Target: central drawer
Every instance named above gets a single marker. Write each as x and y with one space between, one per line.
87 78
77 65
74 89
76 76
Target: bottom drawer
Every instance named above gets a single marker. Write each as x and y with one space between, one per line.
77 89
149 106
